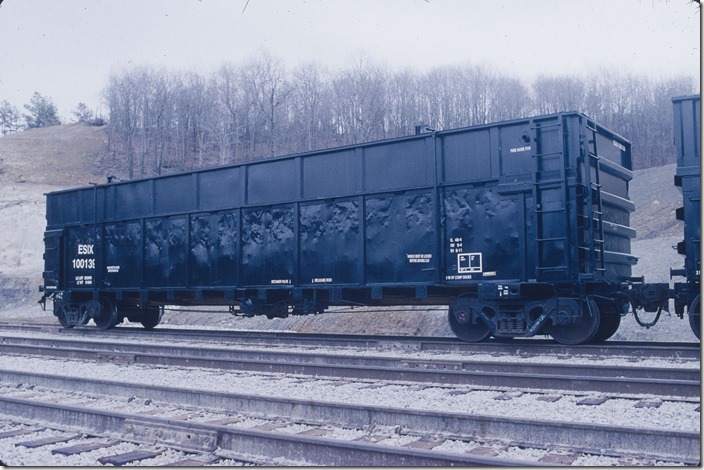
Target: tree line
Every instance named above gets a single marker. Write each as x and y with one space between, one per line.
162 121
41 112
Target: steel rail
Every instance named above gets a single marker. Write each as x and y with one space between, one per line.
529 346
670 372
192 436
667 382
582 437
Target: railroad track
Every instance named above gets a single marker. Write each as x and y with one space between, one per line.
421 436
675 379
207 442
517 347
284 430
66 448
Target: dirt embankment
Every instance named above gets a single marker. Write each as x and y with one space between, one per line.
35 162
62 156
656 197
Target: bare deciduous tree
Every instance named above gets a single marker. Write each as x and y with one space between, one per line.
360 102
265 77
310 93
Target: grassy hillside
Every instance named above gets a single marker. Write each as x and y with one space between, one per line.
68 155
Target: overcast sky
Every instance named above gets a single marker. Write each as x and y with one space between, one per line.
67 49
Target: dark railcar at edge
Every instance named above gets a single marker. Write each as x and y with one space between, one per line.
521 227
687 118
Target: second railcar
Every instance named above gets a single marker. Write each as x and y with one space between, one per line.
687 132
521 227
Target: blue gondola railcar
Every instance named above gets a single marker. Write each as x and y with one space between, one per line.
520 227
687 118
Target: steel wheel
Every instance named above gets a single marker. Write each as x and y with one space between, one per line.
582 330
465 323
152 317
695 318
62 315
609 321
107 318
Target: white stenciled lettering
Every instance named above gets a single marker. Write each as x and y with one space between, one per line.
520 149
84 280
85 249
83 263
419 258
619 145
